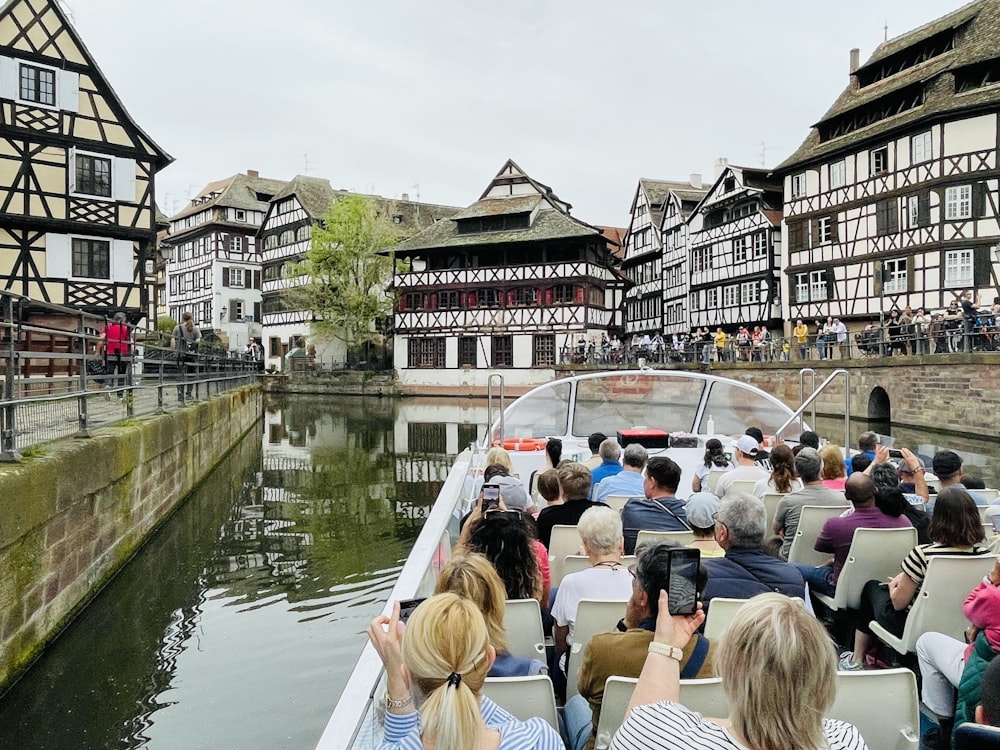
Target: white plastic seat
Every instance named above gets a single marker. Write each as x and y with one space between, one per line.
720 614
874 554
713 480
522 620
706 697
592 616
882 704
771 500
565 540
617 693
741 486
811 521
989 494
576 563
618 501
683 538
525 697
938 605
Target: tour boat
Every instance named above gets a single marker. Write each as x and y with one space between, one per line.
678 410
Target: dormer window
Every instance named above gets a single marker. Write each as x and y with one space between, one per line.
38 85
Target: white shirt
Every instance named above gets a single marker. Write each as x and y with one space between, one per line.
739 474
602 582
765 486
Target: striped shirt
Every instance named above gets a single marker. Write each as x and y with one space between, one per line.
670 726
915 563
402 731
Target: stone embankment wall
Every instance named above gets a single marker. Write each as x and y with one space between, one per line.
334 383
73 515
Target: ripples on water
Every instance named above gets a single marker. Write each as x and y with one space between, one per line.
238 624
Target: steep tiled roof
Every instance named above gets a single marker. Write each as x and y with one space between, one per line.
548 225
499 206
976 29
315 194
238 191
616 240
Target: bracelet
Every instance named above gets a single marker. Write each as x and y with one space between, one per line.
663 649
391 703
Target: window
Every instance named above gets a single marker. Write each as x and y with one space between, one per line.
235 277
694 300
274 346
503 351
920 147
741 249
880 160
712 298
93 175
285 206
563 293
451 299
887 217
235 243
824 230
729 296
750 292
544 346
838 174
701 259
488 298
270 242
38 85
412 301
894 276
958 202
958 268
426 352
913 211
526 296
91 259
287 237
760 244
467 351
303 233
240 215
802 287
798 185
811 286
397 218
235 310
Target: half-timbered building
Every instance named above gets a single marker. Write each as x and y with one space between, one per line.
508 283
734 251
285 238
76 171
678 205
892 198
214 271
643 259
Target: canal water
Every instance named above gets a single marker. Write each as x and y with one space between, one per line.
238 624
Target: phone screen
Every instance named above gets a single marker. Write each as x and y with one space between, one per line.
683 590
491 497
406 607
996 523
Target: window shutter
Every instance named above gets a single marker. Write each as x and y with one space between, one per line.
549 296
979 200
256 311
472 299
924 209
10 85
909 274
792 289
123 181
68 90
122 261
981 266
58 256
578 294
232 310
225 277
834 230
256 279
71 169
893 217
878 268
831 285
814 233
796 235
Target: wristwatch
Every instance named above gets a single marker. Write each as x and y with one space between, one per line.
662 648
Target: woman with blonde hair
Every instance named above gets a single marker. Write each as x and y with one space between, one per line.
834 472
779 676
436 665
473 577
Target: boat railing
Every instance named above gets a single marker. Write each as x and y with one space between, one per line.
797 414
489 403
354 723
812 387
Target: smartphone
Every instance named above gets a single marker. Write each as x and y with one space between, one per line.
996 521
893 453
683 587
406 607
491 497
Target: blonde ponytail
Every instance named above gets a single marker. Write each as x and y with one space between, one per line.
445 648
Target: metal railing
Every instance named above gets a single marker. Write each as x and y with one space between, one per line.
58 380
811 399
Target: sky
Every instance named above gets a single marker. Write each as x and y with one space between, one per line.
431 98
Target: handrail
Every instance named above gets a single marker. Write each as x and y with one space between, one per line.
812 387
814 395
489 406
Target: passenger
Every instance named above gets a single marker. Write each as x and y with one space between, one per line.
786 516
497 455
763 458
547 487
955 529
833 472
892 502
504 538
778 675
716 459
553 453
623 651
809 439
700 510
660 509
594 443
473 577
782 479
745 451
860 462
601 531
610 452
947 467
574 484
867 441
446 652
629 480
746 570
838 533
947 664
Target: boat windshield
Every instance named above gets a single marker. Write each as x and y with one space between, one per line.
620 402
543 411
733 407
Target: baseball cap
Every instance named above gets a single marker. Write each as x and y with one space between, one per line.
512 492
946 463
747 445
700 509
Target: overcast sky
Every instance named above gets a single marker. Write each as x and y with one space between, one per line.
400 97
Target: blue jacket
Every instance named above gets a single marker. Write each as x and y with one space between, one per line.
748 571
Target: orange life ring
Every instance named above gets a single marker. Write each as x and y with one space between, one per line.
525 444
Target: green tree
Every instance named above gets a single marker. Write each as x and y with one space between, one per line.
348 271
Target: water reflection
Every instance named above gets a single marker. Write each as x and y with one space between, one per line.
237 625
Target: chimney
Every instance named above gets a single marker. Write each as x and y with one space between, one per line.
253 173
720 166
695 180
406 196
855 59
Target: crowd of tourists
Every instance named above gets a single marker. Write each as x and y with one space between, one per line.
777 658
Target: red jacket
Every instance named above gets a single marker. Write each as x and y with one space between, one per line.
116 337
